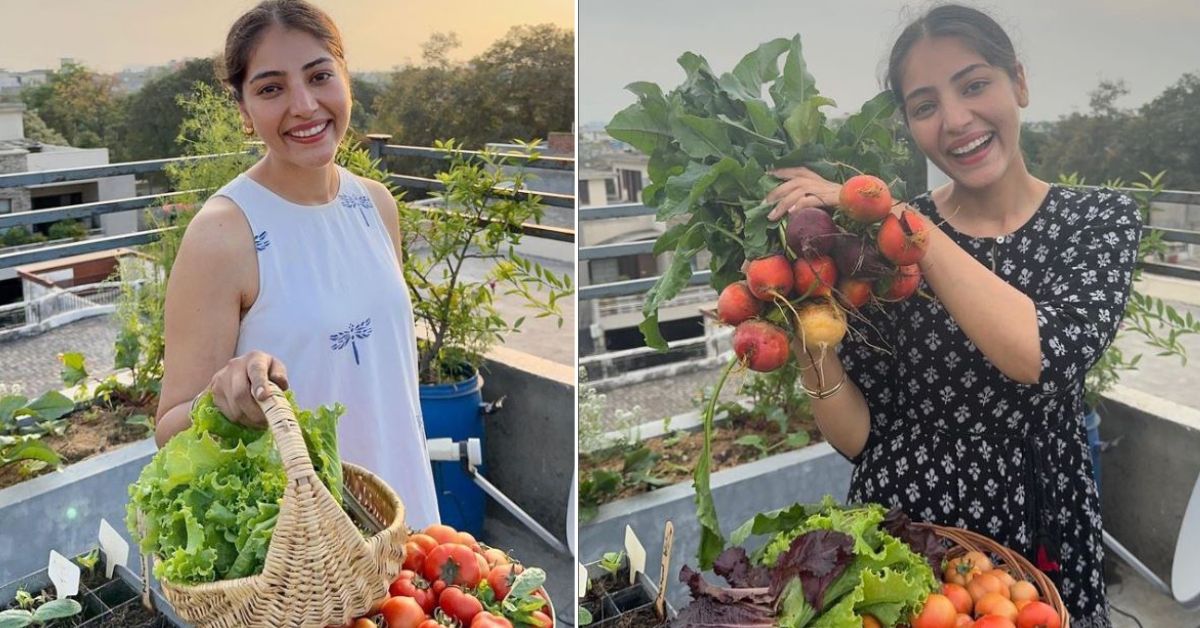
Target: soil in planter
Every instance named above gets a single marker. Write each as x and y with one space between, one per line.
643 617
131 614
679 451
89 432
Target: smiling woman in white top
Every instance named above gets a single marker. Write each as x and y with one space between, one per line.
296 262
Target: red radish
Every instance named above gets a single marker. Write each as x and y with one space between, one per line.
822 325
761 346
857 258
903 240
737 304
811 232
901 285
865 198
769 276
814 277
854 293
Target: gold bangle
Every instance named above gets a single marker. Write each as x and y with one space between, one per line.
818 394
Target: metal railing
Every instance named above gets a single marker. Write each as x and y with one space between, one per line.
622 297
377 146
1186 237
60 301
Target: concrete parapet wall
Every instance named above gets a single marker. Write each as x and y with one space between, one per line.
530 441
1147 477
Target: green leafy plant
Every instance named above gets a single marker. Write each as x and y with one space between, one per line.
480 219
713 142
1149 318
89 560
612 562
63 229
236 473
47 612
16 236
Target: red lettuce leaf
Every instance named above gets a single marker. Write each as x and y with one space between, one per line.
817 558
718 607
922 541
734 566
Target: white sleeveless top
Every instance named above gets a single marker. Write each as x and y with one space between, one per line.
333 306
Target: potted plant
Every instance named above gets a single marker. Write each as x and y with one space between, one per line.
459 257
1157 323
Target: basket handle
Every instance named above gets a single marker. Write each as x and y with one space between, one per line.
288 440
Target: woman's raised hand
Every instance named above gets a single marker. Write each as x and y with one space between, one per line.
801 188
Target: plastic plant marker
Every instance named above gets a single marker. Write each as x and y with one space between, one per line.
636 553
64 574
581 580
114 546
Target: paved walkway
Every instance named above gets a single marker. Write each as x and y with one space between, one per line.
32 362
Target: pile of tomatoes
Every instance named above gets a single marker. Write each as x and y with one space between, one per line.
975 594
449 579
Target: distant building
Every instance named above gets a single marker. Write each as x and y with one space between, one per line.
15 82
610 174
19 154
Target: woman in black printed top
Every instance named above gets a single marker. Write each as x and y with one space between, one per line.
973 417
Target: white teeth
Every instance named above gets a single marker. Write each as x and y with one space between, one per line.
310 132
972 146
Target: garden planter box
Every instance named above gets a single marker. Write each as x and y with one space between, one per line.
623 604
107 602
61 511
804 475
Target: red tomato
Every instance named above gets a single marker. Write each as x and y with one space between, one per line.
938 612
442 533
495 557
414 556
488 620
500 579
1038 615
958 596
431 623
426 542
402 612
465 538
454 563
459 604
411 585
363 622
993 621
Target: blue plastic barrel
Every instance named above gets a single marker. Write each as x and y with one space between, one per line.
1091 422
452 411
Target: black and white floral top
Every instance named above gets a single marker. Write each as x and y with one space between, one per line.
955 441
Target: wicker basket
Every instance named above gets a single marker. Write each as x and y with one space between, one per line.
963 541
319 570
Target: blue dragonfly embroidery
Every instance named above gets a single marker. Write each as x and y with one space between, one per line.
261 242
354 332
359 202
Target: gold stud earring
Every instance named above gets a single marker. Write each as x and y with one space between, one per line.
248 129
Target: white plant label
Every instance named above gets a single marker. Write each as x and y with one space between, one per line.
64 574
582 579
636 554
114 546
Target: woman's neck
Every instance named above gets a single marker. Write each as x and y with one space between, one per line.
303 186
995 210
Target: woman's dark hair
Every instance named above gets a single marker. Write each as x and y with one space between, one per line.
246 32
975 28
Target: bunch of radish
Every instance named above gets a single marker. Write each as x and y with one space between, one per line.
834 263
